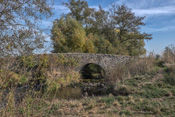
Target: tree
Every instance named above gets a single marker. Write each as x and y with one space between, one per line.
79 10
113 31
19 30
89 45
127 23
169 53
123 19
103 45
99 21
68 35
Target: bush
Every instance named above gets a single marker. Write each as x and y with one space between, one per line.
54 83
141 66
169 77
123 90
133 68
38 70
8 79
169 54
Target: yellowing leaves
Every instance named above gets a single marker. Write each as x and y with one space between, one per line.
68 35
89 47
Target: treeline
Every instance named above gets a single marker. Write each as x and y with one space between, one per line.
88 30
84 29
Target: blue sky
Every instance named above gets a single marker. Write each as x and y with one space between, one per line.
160 19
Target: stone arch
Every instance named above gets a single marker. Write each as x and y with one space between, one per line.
83 67
106 61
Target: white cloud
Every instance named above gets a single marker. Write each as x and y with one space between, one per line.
58 9
95 7
160 29
45 24
150 7
167 10
47 36
140 7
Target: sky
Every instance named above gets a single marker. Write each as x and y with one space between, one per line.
159 20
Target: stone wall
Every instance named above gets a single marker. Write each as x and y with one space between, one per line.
106 61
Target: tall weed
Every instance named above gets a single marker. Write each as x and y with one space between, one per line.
139 66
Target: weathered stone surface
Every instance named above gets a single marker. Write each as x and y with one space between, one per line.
106 61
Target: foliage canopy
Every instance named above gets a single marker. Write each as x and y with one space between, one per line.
112 31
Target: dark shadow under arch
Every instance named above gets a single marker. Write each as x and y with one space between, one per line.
92 71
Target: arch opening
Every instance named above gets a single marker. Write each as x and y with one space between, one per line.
92 71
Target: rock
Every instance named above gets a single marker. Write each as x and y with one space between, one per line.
86 94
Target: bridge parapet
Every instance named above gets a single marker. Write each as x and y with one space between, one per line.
107 61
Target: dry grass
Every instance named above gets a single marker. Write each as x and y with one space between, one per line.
141 92
169 54
140 66
54 73
87 107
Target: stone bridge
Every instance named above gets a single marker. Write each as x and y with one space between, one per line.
106 61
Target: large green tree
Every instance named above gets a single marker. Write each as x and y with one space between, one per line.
127 23
79 10
129 36
68 35
113 31
98 22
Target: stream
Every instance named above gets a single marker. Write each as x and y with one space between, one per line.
84 89
80 91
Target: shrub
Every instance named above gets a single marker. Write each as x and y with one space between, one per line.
54 83
141 66
8 79
123 90
37 69
169 54
60 72
27 62
133 68
169 77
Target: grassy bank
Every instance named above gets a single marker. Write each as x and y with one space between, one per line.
148 95
145 87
